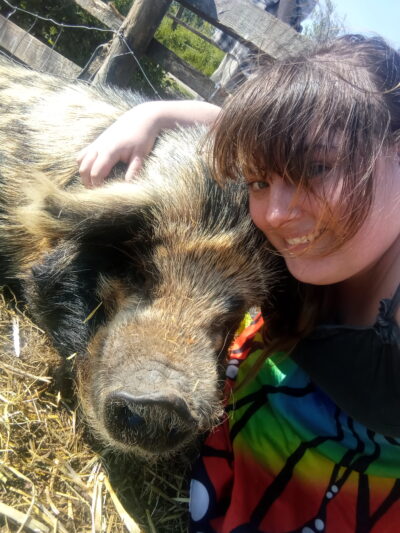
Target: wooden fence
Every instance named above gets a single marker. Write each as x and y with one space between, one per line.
133 37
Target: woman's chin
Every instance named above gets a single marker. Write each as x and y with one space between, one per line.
314 271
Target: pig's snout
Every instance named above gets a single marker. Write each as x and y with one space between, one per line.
155 422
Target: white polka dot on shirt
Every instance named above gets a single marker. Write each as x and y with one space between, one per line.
199 500
231 371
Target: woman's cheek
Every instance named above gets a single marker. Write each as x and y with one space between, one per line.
257 213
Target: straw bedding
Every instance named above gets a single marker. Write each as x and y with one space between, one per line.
53 478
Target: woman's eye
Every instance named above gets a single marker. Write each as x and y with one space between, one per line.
256 186
318 170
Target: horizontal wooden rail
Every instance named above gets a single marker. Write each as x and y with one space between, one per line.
102 12
23 46
250 25
193 30
244 21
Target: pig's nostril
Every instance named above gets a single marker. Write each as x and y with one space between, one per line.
125 416
170 403
120 415
156 422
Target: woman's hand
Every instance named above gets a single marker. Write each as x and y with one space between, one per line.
131 138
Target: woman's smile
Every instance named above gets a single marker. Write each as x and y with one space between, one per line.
308 238
298 225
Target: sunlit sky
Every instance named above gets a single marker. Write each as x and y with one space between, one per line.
376 16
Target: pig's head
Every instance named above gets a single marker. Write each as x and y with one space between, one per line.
147 283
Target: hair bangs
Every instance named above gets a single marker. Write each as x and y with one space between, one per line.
297 116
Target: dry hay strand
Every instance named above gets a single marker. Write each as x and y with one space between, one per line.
52 477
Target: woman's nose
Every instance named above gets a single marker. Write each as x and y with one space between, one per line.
282 205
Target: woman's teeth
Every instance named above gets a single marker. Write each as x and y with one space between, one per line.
305 239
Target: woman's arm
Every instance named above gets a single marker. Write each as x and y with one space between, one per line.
131 138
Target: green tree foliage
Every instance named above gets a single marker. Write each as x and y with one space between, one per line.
324 23
123 6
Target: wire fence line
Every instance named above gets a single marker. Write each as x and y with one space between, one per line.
61 26
96 43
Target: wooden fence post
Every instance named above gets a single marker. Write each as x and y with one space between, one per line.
137 31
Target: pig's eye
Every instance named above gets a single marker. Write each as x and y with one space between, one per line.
221 336
222 332
220 341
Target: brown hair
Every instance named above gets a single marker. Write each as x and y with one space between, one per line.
346 92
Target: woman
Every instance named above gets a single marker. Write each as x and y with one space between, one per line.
312 440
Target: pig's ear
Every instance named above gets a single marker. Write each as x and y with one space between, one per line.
61 294
85 236
115 210
64 289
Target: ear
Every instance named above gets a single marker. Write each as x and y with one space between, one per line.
72 289
77 213
61 294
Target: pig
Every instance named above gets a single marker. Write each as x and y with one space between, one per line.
143 284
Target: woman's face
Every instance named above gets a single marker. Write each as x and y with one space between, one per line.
293 221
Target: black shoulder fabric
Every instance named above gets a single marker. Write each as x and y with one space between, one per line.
359 368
